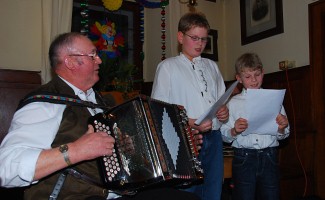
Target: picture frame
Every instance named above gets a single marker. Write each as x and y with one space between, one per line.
260 19
124 22
126 19
212 0
211 48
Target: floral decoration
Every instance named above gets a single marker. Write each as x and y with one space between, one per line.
112 5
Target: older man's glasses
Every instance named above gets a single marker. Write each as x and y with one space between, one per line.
92 55
195 38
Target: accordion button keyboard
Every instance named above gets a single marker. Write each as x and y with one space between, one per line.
112 166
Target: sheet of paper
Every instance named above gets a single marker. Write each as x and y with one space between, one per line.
262 107
211 113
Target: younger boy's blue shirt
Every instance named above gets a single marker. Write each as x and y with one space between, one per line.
251 141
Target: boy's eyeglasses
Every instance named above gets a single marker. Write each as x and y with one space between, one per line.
195 38
92 55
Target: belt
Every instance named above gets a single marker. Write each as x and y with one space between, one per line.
254 151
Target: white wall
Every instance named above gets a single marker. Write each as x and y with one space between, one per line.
20 34
213 11
152 43
224 16
293 44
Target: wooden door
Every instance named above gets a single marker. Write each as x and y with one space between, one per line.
317 63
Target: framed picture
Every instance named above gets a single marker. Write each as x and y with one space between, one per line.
125 21
260 19
116 35
211 48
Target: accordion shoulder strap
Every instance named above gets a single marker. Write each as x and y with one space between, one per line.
61 99
59 183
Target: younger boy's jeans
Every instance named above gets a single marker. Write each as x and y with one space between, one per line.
255 173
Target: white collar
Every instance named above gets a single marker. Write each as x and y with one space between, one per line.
77 91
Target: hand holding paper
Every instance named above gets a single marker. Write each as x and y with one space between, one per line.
262 107
210 114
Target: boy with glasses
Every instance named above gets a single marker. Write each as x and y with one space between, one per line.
196 83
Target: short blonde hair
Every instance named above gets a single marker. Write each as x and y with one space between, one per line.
248 60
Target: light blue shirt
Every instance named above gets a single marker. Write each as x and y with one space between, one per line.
250 141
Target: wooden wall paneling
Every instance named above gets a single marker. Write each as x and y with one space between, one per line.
146 88
296 155
14 85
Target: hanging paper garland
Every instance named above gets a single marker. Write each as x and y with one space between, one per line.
142 31
163 31
162 4
84 17
148 4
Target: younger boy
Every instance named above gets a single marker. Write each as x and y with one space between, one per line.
255 163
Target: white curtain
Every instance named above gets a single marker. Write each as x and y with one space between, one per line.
174 10
56 19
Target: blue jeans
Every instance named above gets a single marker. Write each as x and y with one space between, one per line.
211 156
256 174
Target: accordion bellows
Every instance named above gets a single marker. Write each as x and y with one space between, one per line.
154 146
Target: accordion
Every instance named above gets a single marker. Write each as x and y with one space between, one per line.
154 146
